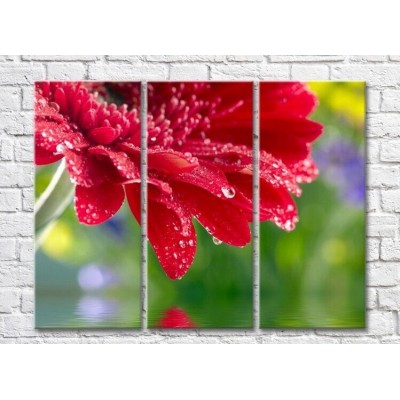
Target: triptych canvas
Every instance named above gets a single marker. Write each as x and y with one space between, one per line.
254 199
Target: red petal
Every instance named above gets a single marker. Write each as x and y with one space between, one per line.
103 135
85 170
288 138
123 165
226 156
243 185
286 98
131 149
133 196
277 174
221 218
99 203
306 171
278 206
75 141
236 132
46 109
44 157
49 134
275 203
159 184
161 196
61 99
209 178
88 118
171 162
174 250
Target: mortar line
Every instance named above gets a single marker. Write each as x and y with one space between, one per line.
256 259
143 202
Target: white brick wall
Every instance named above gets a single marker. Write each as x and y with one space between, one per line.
382 74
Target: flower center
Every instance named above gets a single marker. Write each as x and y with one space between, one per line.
179 110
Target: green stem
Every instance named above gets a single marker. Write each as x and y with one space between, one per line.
54 200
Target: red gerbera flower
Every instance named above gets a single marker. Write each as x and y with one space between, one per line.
71 123
199 157
200 162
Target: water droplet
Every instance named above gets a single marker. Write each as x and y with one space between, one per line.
42 103
191 243
216 241
182 243
54 105
60 148
228 192
288 226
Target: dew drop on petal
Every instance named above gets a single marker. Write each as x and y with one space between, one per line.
182 243
216 241
55 106
228 192
288 226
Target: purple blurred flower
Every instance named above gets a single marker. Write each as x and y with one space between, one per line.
342 165
93 277
115 226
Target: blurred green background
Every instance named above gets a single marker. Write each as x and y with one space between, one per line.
315 275
87 276
216 292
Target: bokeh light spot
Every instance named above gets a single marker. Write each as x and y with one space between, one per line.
59 240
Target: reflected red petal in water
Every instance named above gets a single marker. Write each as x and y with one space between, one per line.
175 317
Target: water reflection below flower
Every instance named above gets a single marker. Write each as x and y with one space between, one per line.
96 308
175 317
